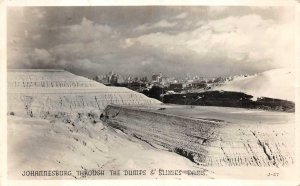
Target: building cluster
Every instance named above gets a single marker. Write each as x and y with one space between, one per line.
108 79
169 84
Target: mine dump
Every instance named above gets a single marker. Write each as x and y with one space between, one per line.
61 121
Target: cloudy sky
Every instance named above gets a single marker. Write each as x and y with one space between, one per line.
205 41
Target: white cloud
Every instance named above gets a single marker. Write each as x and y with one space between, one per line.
82 50
26 33
224 44
217 9
30 57
36 37
41 54
40 14
127 43
181 16
160 24
86 31
242 39
164 24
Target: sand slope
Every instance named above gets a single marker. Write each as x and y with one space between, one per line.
40 92
246 141
277 83
37 144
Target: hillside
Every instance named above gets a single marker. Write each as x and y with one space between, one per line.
276 83
39 144
205 136
41 92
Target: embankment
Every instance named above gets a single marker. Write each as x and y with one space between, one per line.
206 142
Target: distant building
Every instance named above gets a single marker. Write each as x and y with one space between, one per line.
165 81
129 79
177 87
102 79
108 79
113 79
144 79
156 77
136 79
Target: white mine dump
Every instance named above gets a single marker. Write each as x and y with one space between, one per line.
276 83
209 138
38 92
49 127
57 120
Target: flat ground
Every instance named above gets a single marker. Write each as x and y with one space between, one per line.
227 114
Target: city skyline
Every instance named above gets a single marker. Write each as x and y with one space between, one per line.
200 40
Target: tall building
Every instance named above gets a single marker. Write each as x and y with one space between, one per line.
156 77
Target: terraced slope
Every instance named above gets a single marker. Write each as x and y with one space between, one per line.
40 92
211 142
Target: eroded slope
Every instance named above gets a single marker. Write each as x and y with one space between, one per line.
38 93
209 142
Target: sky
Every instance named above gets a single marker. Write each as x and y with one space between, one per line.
141 40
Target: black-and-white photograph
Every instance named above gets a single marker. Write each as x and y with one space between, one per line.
150 92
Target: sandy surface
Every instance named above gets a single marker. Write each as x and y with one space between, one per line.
208 141
226 114
39 93
277 83
36 144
